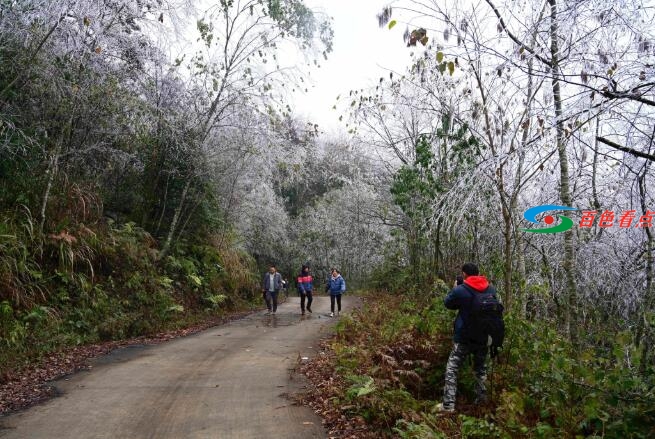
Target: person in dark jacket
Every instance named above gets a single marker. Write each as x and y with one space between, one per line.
460 298
305 283
271 285
336 286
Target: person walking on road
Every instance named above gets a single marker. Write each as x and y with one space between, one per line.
271 285
305 283
336 286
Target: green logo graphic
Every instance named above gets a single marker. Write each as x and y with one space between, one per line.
531 215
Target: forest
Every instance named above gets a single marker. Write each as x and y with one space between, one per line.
141 192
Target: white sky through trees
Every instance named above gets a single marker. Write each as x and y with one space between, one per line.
362 53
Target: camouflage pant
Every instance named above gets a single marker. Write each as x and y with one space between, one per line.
457 356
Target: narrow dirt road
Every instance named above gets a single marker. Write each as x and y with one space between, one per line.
226 382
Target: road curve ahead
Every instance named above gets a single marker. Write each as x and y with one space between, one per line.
226 382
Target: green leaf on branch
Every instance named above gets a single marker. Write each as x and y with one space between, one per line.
392 23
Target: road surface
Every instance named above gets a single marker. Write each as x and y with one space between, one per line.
226 382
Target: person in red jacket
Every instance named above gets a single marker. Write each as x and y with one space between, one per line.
305 283
460 298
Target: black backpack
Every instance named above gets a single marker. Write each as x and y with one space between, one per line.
485 323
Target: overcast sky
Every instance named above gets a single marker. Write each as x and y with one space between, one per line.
362 53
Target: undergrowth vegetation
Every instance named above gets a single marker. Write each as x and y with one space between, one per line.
392 355
94 280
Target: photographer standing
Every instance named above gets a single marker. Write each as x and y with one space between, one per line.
470 295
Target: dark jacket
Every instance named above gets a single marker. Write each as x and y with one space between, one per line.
460 298
277 281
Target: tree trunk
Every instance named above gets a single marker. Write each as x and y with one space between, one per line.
502 194
595 167
508 268
163 208
570 312
52 171
476 243
188 218
176 219
438 259
518 235
53 167
644 334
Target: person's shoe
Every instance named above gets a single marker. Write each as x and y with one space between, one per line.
302 313
268 313
440 409
331 314
274 312
338 313
309 309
